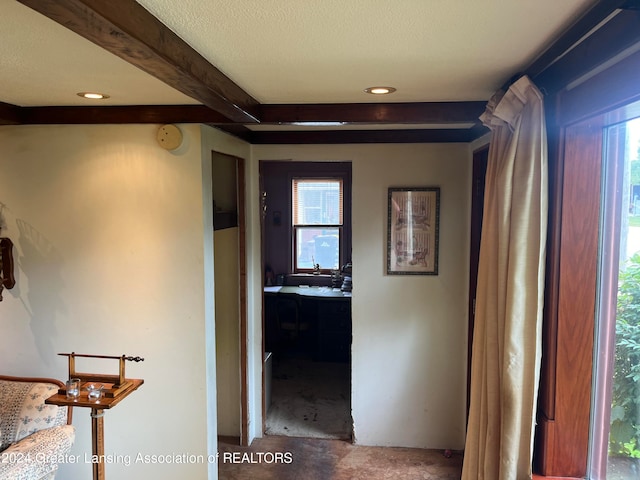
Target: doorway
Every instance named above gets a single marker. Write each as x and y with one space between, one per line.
306 258
230 286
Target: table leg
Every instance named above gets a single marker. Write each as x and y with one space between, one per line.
97 443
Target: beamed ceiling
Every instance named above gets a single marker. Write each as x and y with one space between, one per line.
294 71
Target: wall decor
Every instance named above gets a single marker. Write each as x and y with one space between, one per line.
412 231
7 278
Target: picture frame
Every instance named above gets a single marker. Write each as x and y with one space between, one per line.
413 230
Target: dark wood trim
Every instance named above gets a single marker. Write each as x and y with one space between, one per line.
575 120
366 114
562 442
573 34
160 114
239 131
9 114
362 136
120 114
547 387
263 323
546 396
617 35
613 88
373 113
128 30
54 381
480 163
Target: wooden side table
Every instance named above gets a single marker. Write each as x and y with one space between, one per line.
97 417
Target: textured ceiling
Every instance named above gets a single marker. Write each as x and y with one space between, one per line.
295 51
42 63
309 51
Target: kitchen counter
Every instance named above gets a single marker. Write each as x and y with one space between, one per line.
306 291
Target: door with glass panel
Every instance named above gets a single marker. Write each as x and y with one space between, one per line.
615 432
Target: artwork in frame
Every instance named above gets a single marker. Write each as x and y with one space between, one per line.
412 231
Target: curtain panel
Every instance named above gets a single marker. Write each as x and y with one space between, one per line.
507 344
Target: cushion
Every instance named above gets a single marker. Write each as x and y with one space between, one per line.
40 454
23 412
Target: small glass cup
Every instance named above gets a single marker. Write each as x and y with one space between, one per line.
94 392
73 388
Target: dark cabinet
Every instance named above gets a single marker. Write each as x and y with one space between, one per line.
326 335
334 330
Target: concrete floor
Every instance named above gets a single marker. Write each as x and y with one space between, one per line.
290 458
310 399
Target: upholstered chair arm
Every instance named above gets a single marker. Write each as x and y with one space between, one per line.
36 457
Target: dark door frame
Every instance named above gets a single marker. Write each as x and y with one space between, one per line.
480 160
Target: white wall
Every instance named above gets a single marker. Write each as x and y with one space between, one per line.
113 256
409 332
227 301
112 244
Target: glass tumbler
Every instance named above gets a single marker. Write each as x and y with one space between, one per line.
94 392
73 388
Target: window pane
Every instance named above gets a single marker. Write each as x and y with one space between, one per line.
624 437
317 202
616 456
317 245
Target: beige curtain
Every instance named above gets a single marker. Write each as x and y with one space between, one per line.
507 336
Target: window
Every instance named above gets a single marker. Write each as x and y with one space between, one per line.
278 180
615 452
317 213
579 235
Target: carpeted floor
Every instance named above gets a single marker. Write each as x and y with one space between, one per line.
310 399
287 458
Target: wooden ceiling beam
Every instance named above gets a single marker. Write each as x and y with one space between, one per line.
239 131
362 136
81 115
9 114
120 114
126 29
384 113
372 113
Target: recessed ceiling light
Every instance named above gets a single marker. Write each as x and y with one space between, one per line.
380 90
93 95
318 124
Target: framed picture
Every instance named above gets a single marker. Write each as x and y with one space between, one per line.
412 231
